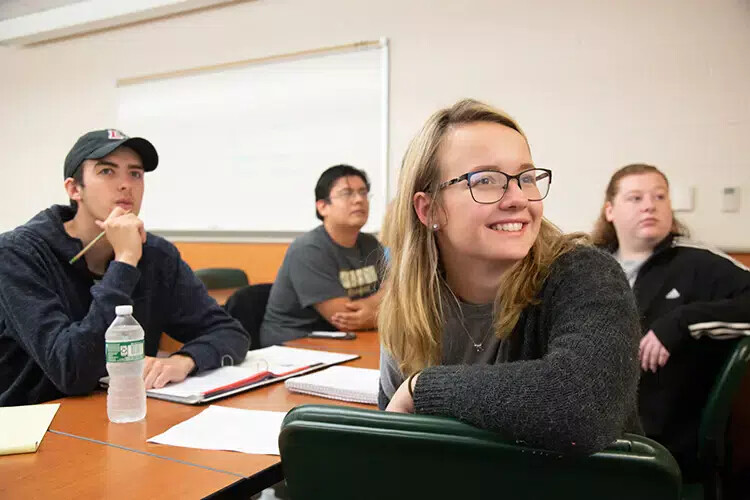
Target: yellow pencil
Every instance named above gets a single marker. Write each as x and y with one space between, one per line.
86 248
93 242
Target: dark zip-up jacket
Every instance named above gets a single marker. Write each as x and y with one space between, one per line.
53 315
696 300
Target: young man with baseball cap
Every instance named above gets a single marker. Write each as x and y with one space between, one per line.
53 314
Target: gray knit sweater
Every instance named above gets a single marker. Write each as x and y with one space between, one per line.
565 380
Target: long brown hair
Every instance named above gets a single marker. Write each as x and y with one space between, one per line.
604 234
411 318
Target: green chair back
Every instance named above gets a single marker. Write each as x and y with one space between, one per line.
341 453
715 417
714 423
222 277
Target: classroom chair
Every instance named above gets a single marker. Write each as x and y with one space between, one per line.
337 452
248 306
222 277
713 451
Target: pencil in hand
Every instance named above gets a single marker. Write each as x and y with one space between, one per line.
91 244
87 247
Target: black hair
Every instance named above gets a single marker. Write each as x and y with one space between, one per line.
78 178
330 176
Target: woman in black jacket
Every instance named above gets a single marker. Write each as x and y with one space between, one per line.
692 300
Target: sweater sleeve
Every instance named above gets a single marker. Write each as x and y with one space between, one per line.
725 315
576 398
71 353
212 338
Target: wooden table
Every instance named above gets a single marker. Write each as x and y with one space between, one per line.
84 454
86 416
70 467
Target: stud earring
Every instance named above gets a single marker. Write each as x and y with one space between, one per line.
435 227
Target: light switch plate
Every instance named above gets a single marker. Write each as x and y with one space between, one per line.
730 199
683 198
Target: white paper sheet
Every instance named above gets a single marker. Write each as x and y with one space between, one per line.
224 428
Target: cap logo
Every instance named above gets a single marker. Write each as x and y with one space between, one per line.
115 135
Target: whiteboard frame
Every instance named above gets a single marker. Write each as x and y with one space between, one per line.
283 236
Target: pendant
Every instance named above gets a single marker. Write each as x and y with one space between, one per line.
479 347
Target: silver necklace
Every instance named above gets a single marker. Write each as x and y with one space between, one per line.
478 346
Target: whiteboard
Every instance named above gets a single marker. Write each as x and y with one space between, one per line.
241 148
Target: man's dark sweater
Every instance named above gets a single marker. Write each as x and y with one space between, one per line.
53 315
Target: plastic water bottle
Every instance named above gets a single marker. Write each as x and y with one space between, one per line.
126 395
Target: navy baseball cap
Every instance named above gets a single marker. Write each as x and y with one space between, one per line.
99 143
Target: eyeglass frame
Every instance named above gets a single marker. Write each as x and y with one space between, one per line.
467 177
350 197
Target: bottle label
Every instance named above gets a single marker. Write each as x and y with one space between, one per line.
123 352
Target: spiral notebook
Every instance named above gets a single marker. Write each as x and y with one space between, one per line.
345 383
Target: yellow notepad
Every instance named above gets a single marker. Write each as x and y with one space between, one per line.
24 427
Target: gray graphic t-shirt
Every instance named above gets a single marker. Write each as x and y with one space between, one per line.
316 269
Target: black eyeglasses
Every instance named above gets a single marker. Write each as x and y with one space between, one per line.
489 186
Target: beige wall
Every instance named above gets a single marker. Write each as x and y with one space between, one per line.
595 84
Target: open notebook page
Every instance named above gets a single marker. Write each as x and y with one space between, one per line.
275 359
280 359
206 381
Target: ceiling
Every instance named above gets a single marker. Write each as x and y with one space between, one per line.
17 8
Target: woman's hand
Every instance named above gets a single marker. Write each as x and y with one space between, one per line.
652 353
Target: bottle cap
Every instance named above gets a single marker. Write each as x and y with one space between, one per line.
123 310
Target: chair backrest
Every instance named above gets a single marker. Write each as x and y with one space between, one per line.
248 305
222 277
715 417
340 452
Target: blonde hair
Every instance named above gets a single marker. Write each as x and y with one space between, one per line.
386 225
604 234
410 318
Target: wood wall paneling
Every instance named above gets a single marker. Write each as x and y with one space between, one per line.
260 261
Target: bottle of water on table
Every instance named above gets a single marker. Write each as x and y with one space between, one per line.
126 395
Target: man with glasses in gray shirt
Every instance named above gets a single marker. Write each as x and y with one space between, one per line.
330 278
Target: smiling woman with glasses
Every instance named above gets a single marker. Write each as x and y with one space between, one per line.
490 314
